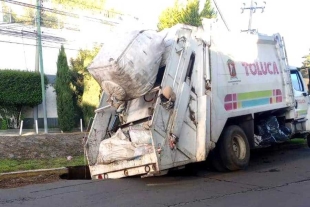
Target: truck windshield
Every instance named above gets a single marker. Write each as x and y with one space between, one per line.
298 86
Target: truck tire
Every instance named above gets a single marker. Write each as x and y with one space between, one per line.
308 140
216 160
234 148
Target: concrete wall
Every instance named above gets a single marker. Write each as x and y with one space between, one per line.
51 110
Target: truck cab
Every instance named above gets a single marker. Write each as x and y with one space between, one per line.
300 94
301 107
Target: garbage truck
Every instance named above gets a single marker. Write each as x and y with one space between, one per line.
192 94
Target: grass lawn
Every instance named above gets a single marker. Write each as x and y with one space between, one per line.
298 141
11 165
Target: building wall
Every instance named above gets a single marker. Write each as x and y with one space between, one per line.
51 111
19 53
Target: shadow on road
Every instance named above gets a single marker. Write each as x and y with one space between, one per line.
262 158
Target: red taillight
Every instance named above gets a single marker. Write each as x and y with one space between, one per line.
100 177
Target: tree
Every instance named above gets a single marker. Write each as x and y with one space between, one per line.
86 88
305 66
305 69
49 19
169 17
306 62
8 15
65 106
81 4
188 14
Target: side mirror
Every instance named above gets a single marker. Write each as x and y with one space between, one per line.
305 94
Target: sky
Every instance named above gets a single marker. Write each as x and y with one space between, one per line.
289 18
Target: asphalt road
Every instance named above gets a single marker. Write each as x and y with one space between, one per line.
276 178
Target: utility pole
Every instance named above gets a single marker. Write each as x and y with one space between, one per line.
1 12
10 15
252 9
41 62
37 69
221 14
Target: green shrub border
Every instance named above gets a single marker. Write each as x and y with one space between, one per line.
4 124
20 88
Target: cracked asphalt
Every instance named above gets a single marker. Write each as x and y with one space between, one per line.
275 177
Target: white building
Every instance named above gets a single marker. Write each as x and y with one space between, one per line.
18 51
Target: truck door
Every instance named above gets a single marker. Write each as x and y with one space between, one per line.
300 94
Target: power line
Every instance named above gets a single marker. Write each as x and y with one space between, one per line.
33 35
24 53
252 9
19 43
221 14
40 7
10 23
34 18
30 34
54 11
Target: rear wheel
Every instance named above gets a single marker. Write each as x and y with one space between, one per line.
216 160
234 148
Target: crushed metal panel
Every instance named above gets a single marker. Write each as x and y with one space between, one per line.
158 141
182 104
203 128
177 59
140 170
179 156
187 141
161 121
176 158
138 108
191 117
122 165
99 128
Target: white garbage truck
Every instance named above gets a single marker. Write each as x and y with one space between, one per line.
210 93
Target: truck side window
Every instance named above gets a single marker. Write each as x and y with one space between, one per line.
297 83
190 68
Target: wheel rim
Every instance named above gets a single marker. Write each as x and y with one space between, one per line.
239 147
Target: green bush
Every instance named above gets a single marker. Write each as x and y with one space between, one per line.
20 88
4 124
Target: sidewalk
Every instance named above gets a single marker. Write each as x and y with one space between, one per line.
25 132
33 158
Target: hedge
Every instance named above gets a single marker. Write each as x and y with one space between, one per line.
20 88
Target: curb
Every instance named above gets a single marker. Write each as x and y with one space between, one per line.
288 146
32 173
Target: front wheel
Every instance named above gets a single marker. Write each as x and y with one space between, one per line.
234 148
